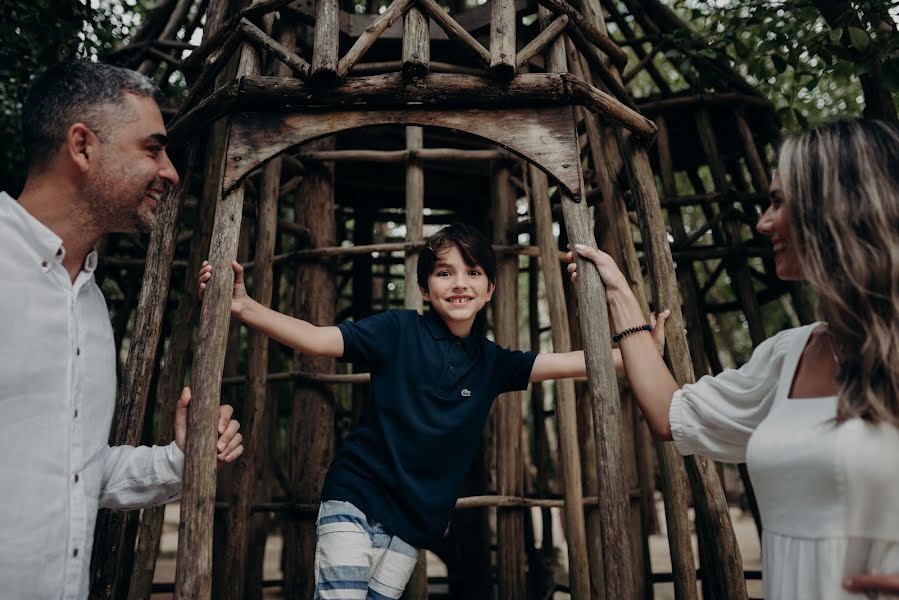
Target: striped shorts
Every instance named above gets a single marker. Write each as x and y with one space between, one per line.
356 559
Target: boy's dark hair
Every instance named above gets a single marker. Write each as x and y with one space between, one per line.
476 250
79 91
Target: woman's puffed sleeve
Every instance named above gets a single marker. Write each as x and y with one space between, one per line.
716 415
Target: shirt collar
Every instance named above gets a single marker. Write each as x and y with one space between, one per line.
439 331
47 244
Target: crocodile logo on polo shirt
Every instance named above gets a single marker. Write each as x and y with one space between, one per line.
466 392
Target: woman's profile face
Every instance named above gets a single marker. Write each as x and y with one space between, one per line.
775 223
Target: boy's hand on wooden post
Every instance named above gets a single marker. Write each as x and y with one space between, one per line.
229 445
239 296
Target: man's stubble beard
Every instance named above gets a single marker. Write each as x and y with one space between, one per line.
112 207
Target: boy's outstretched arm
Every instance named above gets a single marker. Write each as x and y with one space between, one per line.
561 365
297 334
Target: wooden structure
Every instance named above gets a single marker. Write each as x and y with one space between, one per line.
323 138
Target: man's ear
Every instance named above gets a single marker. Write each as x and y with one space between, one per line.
81 146
490 289
424 294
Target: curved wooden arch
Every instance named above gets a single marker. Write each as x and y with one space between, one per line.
546 136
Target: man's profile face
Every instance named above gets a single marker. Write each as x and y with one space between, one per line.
133 170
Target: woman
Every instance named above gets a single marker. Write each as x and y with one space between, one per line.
815 411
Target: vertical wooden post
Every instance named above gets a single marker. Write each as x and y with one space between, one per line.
312 420
712 515
613 233
116 530
417 588
510 468
194 569
415 196
416 43
542 457
594 320
171 377
673 476
326 40
566 410
502 39
241 493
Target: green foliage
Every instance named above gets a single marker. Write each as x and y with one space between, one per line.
789 52
35 34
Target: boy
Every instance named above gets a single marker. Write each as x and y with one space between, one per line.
395 480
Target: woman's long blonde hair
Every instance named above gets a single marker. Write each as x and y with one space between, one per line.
841 185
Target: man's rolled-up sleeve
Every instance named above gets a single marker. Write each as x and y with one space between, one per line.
137 477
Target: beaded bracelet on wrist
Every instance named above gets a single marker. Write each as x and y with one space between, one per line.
623 334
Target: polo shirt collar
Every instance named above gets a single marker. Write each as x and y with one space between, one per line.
439 331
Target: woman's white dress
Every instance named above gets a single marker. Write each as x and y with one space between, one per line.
828 496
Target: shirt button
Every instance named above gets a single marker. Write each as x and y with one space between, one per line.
44 264
75 552
77 351
76 413
76 477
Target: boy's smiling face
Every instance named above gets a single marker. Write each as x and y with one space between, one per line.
457 291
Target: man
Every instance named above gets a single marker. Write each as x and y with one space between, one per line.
95 146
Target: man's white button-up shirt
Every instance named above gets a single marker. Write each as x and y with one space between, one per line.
57 395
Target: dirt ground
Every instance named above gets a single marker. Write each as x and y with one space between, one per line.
659 555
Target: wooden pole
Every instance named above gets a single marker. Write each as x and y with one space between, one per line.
311 437
417 588
416 43
610 232
502 39
194 569
713 518
566 408
541 40
171 374
415 194
510 467
326 40
116 530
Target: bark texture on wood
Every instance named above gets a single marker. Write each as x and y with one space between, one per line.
312 436
540 135
111 539
416 43
502 39
194 569
566 409
508 415
713 518
327 37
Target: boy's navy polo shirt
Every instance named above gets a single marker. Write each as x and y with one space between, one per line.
431 392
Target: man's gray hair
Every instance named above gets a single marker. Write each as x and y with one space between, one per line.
77 92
